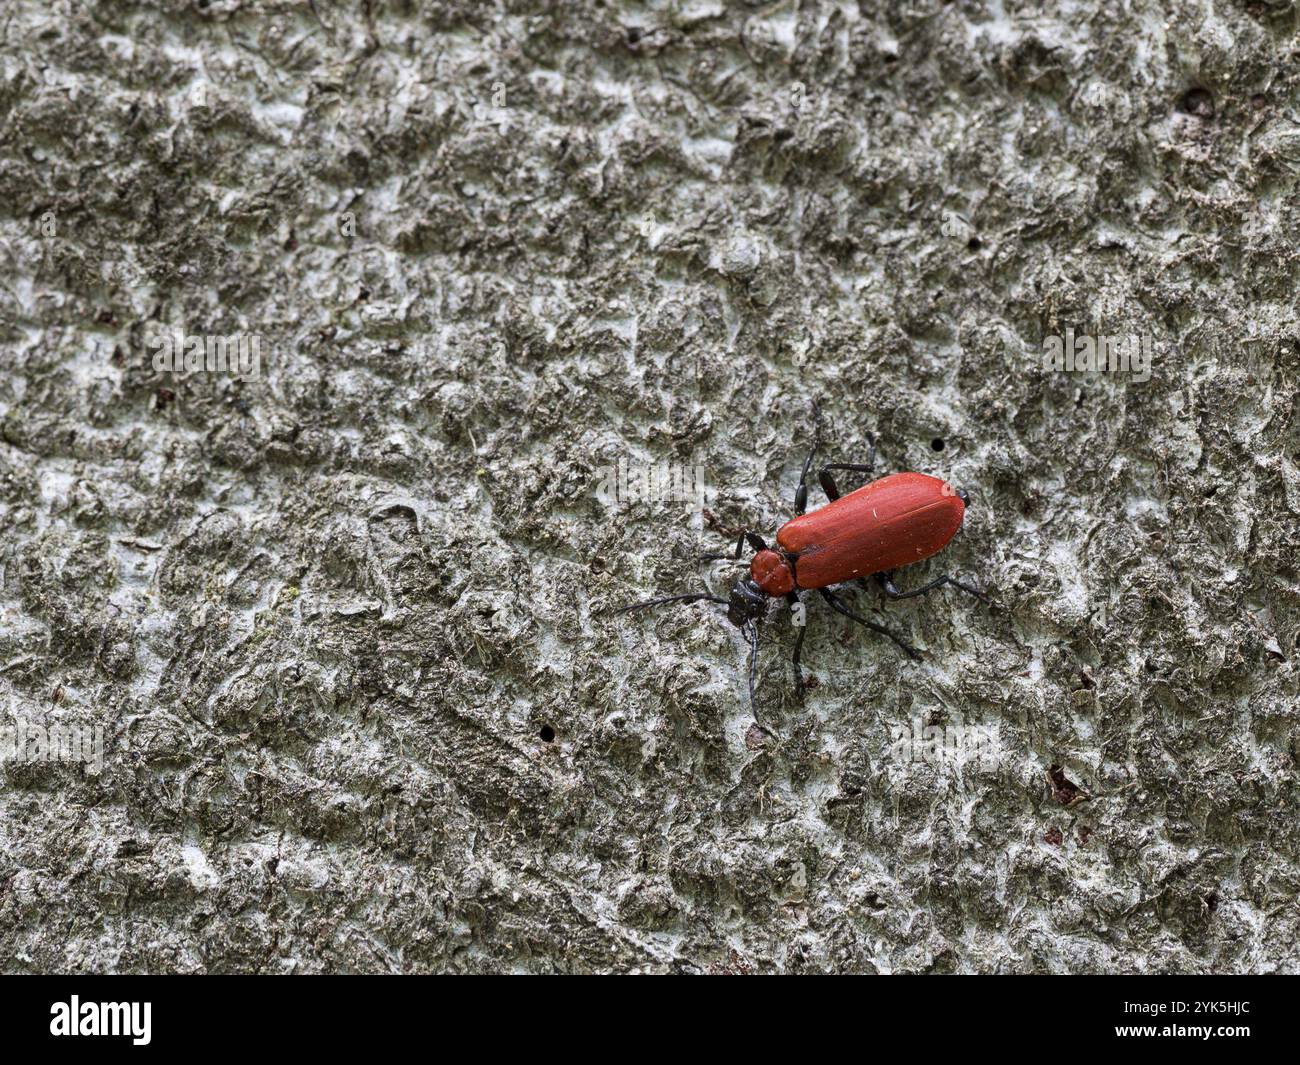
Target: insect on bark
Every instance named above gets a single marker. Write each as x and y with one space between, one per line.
871 532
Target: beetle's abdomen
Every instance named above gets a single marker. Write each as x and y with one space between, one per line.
892 522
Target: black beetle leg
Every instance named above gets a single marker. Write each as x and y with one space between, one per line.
840 608
801 493
887 584
754 540
828 482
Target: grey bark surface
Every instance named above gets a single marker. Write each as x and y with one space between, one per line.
325 613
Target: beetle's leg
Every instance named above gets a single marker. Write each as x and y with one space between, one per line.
838 606
690 597
887 583
801 493
796 607
828 482
755 541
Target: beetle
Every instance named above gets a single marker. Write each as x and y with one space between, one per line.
883 526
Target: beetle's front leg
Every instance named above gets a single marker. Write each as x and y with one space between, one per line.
755 541
801 493
828 482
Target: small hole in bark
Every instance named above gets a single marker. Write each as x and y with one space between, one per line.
974 244
547 733
937 444
1197 102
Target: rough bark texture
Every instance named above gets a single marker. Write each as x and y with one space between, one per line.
338 620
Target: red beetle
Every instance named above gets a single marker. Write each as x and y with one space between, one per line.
887 524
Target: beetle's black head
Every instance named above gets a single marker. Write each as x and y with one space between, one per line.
748 602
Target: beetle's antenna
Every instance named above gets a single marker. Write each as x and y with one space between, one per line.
753 672
692 597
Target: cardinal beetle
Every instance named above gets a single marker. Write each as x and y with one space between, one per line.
880 527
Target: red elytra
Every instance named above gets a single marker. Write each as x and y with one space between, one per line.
890 523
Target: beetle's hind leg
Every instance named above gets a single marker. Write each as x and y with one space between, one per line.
838 606
887 584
